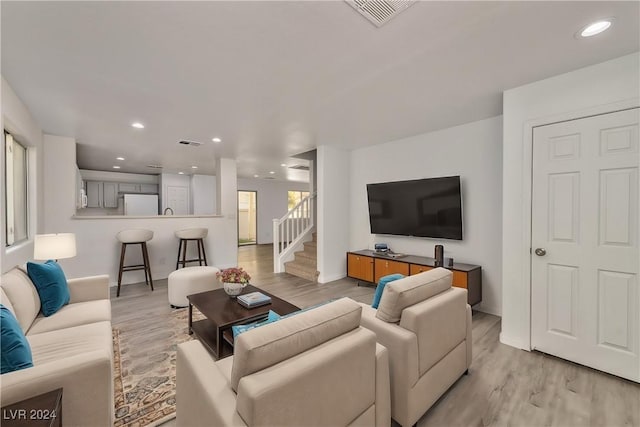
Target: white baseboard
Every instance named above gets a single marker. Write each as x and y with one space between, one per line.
514 342
326 279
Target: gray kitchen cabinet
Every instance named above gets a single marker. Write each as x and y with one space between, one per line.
149 188
94 194
110 195
127 187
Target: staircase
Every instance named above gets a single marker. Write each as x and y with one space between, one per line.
305 264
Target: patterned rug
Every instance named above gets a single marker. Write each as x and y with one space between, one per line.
145 370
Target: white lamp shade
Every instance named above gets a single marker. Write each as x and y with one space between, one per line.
54 246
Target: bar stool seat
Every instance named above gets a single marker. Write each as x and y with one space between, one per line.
191 234
135 237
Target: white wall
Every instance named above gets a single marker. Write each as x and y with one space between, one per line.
272 202
203 194
332 212
596 89
138 178
15 118
98 249
472 151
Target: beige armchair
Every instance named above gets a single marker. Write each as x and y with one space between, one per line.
317 368
426 326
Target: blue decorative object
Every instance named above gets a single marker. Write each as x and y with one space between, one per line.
239 329
51 285
16 353
381 284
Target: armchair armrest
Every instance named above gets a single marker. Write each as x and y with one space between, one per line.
89 288
86 380
203 394
402 346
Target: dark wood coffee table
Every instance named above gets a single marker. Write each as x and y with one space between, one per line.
222 312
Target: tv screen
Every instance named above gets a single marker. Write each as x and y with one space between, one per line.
423 208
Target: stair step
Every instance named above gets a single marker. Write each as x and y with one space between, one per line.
306 258
311 247
315 236
301 270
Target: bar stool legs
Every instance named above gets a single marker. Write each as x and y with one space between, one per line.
144 266
182 248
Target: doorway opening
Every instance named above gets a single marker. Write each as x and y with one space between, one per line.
247 218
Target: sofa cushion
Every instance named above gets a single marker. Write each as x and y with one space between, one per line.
4 300
80 313
382 283
51 285
15 351
411 290
57 345
23 296
263 347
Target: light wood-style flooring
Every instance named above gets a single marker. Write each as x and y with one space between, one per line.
505 386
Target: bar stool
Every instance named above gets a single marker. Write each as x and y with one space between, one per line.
135 237
197 234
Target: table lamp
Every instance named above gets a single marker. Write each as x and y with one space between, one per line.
54 246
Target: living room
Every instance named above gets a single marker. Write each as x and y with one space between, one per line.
413 130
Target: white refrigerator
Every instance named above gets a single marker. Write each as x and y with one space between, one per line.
141 204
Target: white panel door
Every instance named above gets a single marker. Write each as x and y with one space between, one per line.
178 199
584 262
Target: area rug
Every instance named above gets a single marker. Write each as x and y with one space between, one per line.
145 370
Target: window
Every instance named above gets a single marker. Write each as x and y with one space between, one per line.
15 190
295 197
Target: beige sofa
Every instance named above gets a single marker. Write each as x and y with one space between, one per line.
318 368
72 348
425 323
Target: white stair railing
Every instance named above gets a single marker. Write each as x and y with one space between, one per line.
291 229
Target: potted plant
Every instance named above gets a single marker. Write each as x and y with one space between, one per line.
234 280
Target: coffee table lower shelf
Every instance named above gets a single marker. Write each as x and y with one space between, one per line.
205 330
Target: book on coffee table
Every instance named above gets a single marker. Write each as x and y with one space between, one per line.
253 299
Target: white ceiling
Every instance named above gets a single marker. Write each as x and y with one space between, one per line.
274 79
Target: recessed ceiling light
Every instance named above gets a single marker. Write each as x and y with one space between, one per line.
194 167
180 173
119 158
256 176
271 172
116 167
216 139
137 125
284 165
596 27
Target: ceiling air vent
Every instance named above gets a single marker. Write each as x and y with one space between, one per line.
379 12
192 143
299 167
154 166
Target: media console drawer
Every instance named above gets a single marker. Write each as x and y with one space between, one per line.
368 266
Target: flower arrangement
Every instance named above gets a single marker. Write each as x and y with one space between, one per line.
233 275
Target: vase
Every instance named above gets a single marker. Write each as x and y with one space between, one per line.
233 289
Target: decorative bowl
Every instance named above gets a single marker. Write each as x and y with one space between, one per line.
234 289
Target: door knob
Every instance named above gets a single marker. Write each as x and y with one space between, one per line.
541 251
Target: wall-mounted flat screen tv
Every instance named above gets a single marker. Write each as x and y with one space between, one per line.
423 208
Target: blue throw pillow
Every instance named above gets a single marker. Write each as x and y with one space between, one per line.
15 350
381 284
238 329
51 285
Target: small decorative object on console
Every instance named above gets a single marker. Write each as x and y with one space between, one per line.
254 299
234 280
439 255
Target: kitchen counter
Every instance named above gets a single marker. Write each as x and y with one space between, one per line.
143 217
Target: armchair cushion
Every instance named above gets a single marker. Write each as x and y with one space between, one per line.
411 290
15 352
263 347
51 285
